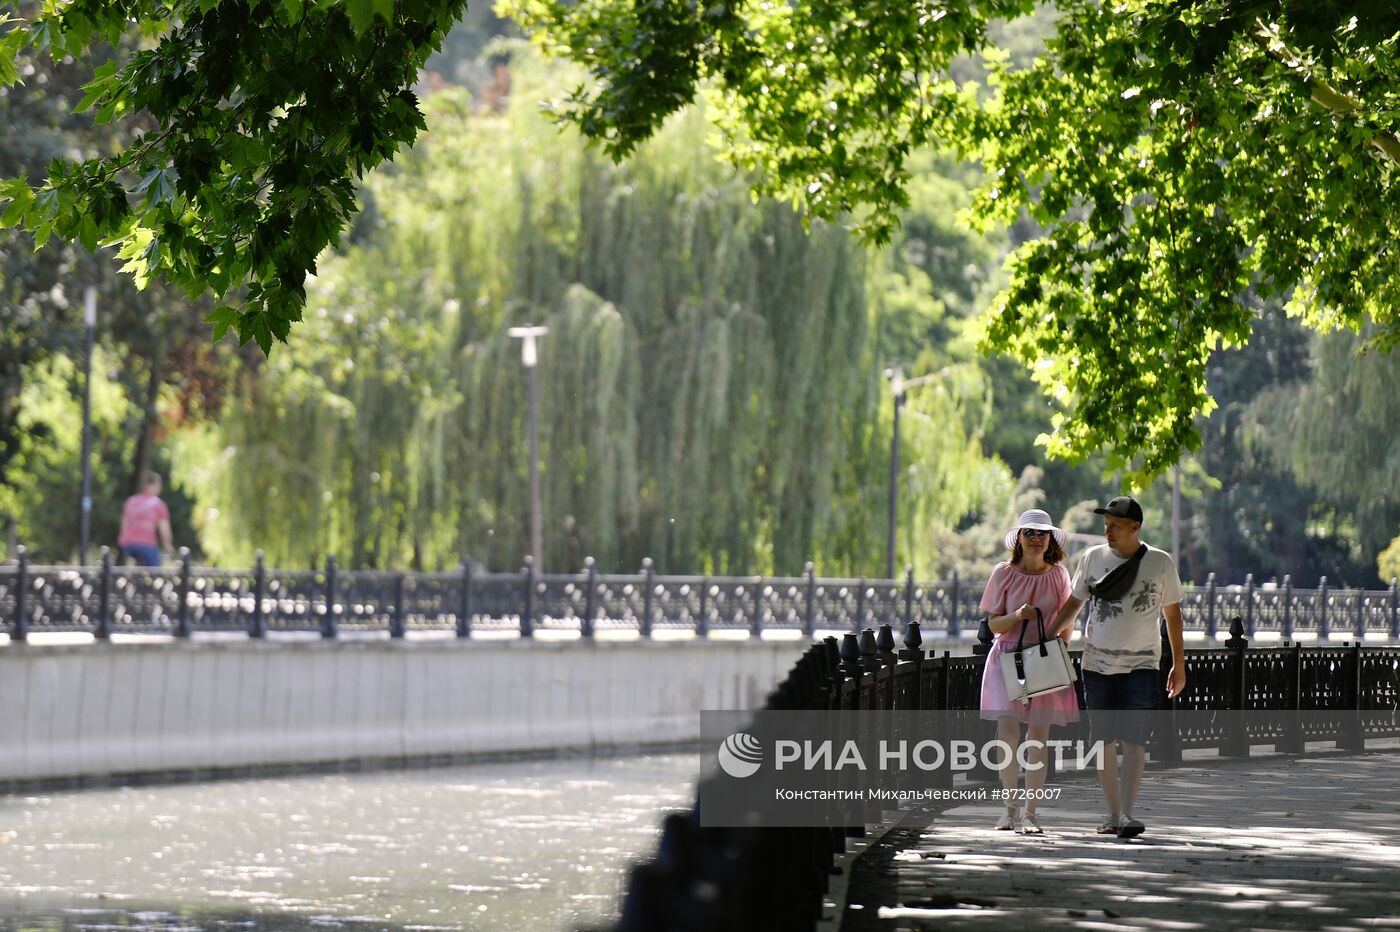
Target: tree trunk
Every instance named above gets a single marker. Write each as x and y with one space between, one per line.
148 421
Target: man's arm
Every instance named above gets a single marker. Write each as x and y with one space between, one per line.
1064 619
163 529
1176 680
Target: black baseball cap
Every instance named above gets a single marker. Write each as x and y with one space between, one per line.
1122 507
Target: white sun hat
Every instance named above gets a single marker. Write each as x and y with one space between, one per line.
1036 520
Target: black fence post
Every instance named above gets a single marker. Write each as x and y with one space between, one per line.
908 596
1292 740
329 624
859 621
809 618
938 700
1236 739
702 621
1394 607
182 609
527 612
464 610
20 629
1210 607
1323 630
756 622
913 652
850 662
954 622
1353 737
985 637
257 626
103 629
1166 737
1248 605
649 582
590 597
1287 608
396 621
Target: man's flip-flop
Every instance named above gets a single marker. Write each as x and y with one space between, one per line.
1131 828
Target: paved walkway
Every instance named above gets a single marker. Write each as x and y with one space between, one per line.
1270 844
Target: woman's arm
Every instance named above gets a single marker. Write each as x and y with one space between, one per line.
1003 623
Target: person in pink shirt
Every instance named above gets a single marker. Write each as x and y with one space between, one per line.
1033 578
145 524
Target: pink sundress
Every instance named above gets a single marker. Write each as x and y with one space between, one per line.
1007 590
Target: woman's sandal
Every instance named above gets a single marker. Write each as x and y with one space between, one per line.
1030 825
1109 826
1010 820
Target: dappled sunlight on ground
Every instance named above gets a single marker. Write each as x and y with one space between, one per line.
1270 843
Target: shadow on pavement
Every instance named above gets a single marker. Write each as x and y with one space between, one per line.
1268 843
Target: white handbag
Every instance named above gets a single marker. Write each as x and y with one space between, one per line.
1037 669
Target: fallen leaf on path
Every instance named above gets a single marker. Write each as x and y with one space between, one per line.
1112 915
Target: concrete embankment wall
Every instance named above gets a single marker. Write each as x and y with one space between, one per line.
124 709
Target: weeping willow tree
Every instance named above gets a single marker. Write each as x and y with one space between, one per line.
710 391
1338 431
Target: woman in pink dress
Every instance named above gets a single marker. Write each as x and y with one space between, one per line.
1033 578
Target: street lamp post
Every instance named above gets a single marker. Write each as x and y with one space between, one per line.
1176 515
896 376
90 322
530 357
899 385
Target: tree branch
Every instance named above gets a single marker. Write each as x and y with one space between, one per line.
1323 94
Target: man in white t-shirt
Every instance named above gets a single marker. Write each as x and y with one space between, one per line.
1129 586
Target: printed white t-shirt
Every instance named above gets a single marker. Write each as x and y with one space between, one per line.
1122 635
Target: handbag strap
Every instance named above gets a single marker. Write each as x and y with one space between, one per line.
1019 657
1021 640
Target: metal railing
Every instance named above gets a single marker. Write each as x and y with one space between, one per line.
182 600
771 878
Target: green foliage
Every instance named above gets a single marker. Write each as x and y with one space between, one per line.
710 390
255 119
1179 157
156 349
1336 433
1389 561
42 494
1159 182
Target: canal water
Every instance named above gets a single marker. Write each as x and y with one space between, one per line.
512 847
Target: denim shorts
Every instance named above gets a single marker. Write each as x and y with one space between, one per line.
143 554
1120 704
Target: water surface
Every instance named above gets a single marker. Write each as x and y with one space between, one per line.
540 845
